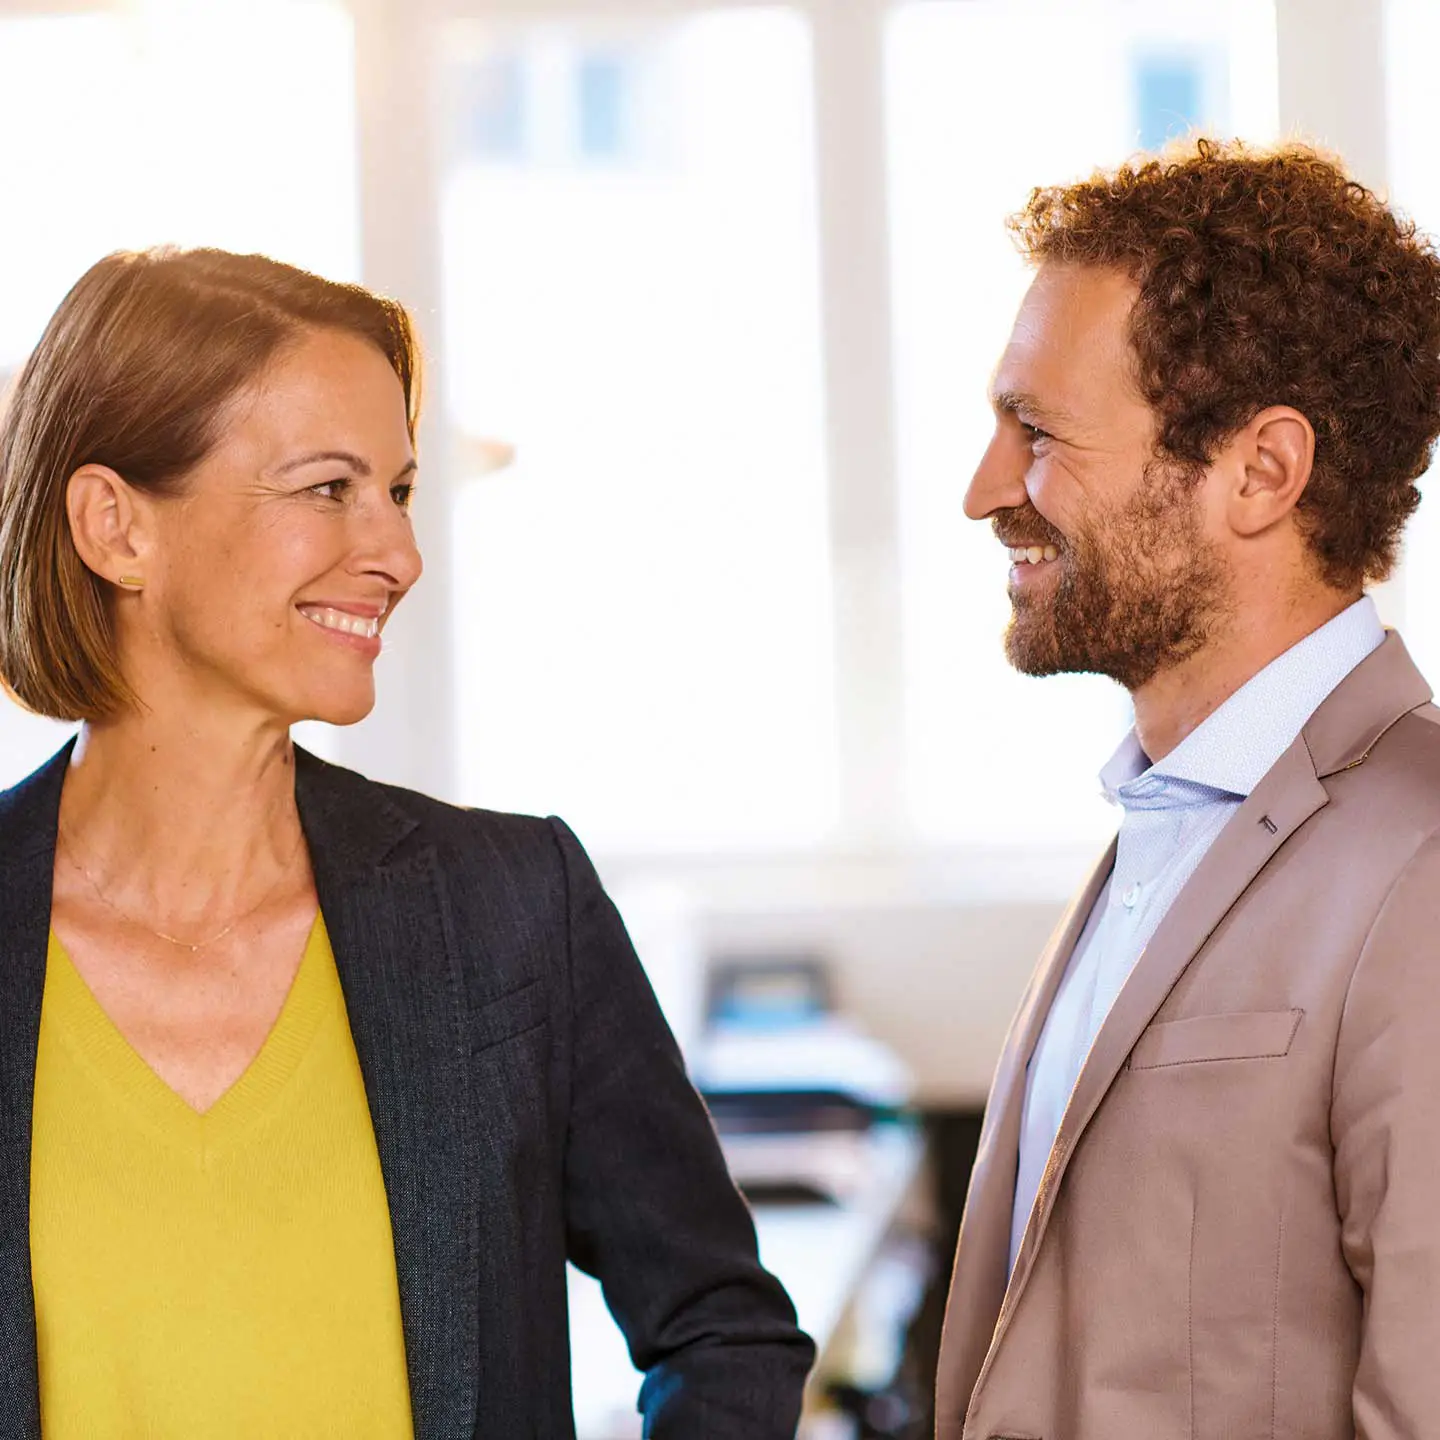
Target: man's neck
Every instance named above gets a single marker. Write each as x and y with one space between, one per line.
1180 699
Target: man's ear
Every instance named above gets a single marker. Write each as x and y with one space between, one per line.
106 525
1272 458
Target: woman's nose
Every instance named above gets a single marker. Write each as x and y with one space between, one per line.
389 547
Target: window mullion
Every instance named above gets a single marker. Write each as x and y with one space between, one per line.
860 419
1316 41
409 738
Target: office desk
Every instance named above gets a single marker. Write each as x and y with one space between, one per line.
819 1252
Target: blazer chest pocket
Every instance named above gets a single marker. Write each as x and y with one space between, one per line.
506 1016
1259 1035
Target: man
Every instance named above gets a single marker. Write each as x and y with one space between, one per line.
1207 1197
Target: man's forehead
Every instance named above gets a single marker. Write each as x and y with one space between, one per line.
1071 338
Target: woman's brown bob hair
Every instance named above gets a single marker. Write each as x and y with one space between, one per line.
134 372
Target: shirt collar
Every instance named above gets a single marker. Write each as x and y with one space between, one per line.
1234 747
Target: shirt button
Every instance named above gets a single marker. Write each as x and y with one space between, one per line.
1131 895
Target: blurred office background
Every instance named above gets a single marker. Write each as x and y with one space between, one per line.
710 292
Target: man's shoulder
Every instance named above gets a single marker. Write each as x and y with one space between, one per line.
1385 802
1404 761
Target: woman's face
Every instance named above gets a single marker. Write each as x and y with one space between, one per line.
270 577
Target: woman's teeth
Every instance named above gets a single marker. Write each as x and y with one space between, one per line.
340 620
1032 554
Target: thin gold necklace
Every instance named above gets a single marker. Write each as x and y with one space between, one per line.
72 854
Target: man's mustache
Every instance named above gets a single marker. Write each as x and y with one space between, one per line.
1024 526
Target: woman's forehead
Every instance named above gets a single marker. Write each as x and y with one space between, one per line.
329 391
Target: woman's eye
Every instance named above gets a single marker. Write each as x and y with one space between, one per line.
330 489
402 495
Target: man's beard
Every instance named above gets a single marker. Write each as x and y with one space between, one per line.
1137 592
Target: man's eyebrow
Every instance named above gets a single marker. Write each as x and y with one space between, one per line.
1013 402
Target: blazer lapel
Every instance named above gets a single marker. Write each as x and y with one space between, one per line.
382 897
978 1284
28 817
1287 796
1378 692
385 910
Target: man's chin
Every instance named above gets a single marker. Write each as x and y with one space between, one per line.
1034 651
1040 652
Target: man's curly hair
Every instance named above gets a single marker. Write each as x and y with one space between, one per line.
1269 277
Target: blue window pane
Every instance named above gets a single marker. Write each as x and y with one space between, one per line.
602 93
493 108
1168 98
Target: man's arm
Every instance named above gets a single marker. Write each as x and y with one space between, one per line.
1385 1124
651 1210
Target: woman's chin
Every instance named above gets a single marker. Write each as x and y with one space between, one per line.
338 709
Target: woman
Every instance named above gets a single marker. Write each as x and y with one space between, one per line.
308 1085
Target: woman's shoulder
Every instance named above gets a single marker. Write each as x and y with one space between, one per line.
513 878
30 807
351 807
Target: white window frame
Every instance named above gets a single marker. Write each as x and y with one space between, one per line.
393 53
412 738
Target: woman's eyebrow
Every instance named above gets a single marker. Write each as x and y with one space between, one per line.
315 457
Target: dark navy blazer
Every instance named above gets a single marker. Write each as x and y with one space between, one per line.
529 1105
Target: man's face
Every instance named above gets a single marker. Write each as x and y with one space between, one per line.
1114 570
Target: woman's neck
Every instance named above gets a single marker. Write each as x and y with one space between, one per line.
149 807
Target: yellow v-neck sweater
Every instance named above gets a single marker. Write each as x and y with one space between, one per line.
225 1274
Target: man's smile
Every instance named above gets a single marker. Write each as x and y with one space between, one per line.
1032 554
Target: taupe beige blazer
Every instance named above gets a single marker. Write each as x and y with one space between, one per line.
1237 1236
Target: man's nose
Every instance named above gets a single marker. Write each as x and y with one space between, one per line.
998 482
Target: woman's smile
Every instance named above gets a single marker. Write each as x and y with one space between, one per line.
360 629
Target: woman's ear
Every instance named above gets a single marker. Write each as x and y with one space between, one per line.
105 525
1274 455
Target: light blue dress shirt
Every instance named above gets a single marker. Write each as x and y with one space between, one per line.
1172 812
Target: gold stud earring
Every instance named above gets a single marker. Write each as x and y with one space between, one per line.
132 582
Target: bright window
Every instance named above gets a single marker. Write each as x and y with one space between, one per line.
988 98
1413 105
135 134
631 286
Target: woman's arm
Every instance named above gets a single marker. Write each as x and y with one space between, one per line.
651 1211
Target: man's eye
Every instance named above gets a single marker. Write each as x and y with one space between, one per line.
1034 433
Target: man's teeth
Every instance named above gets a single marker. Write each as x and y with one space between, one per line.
341 620
1032 554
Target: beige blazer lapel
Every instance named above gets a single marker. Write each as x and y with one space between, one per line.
977 1286
1287 796
1339 735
